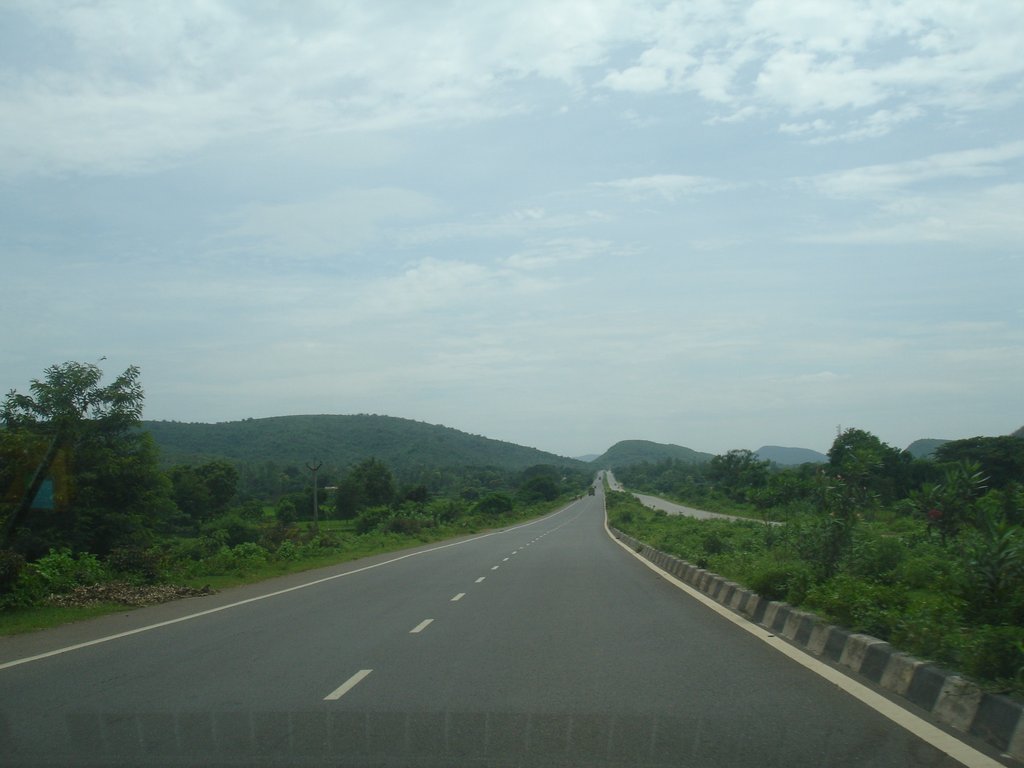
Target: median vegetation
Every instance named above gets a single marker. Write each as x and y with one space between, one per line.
92 521
926 554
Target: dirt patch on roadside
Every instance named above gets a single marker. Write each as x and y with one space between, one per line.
125 594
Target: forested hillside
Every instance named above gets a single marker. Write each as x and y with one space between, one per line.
790 457
924 448
628 452
407 446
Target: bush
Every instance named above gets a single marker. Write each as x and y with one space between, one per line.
874 556
11 566
135 564
62 572
860 604
494 504
231 529
56 573
288 550
787 580
240 559
929 626
371 518
995 653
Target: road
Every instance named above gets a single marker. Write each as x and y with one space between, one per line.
654 502
545 644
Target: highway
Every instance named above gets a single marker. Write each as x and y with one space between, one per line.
544 644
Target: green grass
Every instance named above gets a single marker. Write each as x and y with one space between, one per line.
16 621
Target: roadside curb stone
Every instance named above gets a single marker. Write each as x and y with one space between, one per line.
950 698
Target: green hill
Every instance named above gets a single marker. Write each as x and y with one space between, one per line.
340 441
788 457
627 452
925 447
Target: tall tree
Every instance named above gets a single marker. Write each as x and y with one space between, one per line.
738 472
112 466
368 484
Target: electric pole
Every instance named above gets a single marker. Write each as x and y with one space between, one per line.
316 502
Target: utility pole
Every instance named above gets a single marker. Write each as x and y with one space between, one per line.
316 502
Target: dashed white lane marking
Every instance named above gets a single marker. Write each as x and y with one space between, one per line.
348 685
420 627
504 559
218 609
457 597
480 579
495 567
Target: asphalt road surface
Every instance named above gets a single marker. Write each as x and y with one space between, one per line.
655 502
545 644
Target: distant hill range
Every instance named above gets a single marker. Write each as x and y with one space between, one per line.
925 447
789 457
341 441
628 452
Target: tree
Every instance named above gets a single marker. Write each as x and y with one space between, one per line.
738 472
89 430
1001 458
870 468
205 491
368 484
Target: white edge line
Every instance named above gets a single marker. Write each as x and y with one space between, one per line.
207 612
348 685
420 627
924 730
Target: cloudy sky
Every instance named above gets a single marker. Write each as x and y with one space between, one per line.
559 223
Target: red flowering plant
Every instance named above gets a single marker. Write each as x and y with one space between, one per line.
946 507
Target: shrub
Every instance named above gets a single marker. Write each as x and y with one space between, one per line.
288 550
231 529
995 653
135 563
240 559
874 556
787 580
62 572
494 504
371 518
11 565
860 604
929 626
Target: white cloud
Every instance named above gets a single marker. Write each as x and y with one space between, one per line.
988 218
430 284
337 223
885 178
814 126
800 82
517 223
740 115
557 251
668 186
138 87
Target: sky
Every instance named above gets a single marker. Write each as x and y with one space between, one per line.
559 223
